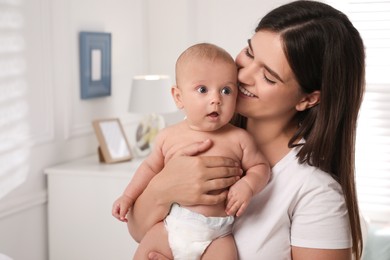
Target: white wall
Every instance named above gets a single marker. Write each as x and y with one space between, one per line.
147 37
174 25
60 122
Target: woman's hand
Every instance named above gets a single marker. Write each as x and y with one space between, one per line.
191 180
157 256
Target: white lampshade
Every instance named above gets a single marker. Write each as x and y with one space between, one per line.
151 94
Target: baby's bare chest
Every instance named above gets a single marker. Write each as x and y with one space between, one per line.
222 145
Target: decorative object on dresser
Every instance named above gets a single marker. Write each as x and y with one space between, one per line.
150 95
95 64
113 144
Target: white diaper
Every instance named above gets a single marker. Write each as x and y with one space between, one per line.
190 233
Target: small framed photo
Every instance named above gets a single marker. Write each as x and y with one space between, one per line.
95 64
113 144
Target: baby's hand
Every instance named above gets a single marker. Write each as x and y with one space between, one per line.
121 207
238 198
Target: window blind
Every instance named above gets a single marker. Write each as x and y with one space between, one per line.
14 127
372 19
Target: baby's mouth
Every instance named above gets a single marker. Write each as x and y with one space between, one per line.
245 92
213 114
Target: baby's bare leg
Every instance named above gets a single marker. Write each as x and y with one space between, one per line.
221 248
156 239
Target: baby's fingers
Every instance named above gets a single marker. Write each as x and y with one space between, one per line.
242 209
123 213
232 207
115 210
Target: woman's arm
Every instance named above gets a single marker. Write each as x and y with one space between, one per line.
297 253
185 179
301 253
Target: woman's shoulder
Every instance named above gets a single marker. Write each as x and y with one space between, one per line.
321 186
315 185
309 177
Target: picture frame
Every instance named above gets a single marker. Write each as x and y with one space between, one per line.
95 64
113 144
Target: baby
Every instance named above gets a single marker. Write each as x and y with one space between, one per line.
206 89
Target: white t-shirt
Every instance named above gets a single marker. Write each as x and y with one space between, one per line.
301 206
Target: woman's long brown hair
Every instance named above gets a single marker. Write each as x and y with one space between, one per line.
326 53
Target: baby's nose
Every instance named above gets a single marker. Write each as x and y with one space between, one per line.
216 99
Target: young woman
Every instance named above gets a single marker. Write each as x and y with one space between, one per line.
301 82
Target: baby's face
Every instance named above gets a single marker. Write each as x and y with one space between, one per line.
208 93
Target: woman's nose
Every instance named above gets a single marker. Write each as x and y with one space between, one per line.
246 72
245 75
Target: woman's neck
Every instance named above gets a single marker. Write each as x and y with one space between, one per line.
272 138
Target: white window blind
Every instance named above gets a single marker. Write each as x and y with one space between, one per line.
372 19
14 127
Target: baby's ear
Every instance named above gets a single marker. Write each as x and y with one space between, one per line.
308 101
176 94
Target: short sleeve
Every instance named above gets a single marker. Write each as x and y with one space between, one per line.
319 215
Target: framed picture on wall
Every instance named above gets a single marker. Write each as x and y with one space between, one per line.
95 64
113 144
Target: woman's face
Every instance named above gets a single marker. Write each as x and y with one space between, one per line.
268 88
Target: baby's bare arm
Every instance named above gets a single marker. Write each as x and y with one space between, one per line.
256 176
244 189
256 167
136 186
143 175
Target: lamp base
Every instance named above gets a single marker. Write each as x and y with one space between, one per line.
146 132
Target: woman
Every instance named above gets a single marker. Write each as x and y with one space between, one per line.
301 81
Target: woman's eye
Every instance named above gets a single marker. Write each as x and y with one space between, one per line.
226 91
269 81
202 89
248 53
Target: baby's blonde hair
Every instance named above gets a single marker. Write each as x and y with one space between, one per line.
206 51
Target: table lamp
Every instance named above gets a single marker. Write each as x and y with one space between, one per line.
150 95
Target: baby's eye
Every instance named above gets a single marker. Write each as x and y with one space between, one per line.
202 89
226 91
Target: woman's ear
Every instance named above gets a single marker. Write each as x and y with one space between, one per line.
176 94
309 100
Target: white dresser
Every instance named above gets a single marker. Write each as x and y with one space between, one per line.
81 226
